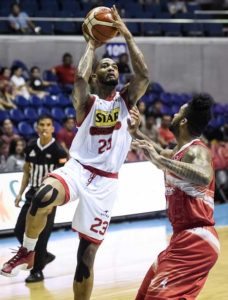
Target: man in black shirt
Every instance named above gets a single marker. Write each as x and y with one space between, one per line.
43 155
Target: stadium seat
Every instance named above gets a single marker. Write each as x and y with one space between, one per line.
171 29
22 102
4 26
49 76
64 100
57 114
70 6
65 28
30 114
51 5
54 89
35 101
16 115
3 115
43 111
134 28
25 129
70 111
212 29
152 29
193 29
57 126
46 27
49 101
163 15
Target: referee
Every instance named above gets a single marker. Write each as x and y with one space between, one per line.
43 155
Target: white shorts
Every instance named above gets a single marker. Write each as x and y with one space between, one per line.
96 196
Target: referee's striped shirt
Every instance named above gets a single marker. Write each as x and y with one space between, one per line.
43 160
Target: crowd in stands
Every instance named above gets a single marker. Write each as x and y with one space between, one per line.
29 95
19 16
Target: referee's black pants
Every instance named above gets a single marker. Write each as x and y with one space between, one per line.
41 246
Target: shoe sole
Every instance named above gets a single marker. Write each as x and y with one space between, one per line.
16 270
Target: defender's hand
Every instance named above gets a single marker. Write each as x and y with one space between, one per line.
134 121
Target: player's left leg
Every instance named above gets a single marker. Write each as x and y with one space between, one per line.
145 284
84 276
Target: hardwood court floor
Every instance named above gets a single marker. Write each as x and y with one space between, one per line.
121 264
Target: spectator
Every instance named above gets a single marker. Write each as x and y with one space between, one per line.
5 79
19 21
3 156
16 158
66 135
37 86
156 110
123 64
19 84
5 98
66 72
8 134
150 128
176 6
165 136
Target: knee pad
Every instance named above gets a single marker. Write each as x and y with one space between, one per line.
38 199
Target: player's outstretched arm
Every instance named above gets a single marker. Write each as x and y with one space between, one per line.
140 79
195 166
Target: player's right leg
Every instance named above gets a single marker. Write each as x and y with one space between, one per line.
50 194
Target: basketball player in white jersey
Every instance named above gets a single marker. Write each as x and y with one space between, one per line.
97 153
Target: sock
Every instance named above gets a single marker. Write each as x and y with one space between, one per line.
28 243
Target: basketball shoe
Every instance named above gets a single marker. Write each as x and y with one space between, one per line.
22 260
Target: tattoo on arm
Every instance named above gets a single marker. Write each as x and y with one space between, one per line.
140 136
198 170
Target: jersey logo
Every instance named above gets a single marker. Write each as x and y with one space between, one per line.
106 118
164 283
48 155
32 153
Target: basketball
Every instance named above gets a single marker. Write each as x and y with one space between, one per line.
98 24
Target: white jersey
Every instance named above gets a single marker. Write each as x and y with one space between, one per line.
102 140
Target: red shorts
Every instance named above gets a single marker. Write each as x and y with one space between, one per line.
182 269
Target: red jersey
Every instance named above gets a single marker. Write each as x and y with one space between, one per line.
65 74
189 205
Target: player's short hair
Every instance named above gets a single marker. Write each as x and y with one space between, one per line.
45 116
198 113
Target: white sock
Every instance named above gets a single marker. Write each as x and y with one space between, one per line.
28 243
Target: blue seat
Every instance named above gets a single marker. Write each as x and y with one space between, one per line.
46 27
69 5
64 100
22 102
3 115
212 29
65 28
152 29
185 16
171 29
35 101
193 29
41 111
54 89
70 111
163 15
134 28
25 129
49 5
57 126
49 76
48 101
16 115
30 114
166 98
191 7
57 114
4 26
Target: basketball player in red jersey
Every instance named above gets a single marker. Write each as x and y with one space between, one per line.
182 268
97 153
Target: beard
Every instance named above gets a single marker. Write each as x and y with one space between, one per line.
112 82
175 128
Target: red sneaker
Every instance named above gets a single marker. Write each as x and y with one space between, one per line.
23 260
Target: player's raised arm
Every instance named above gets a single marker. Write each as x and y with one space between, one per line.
140 79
